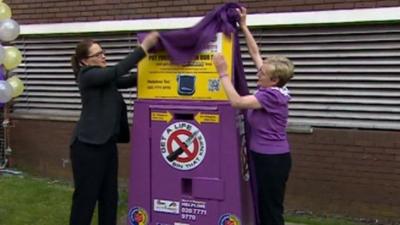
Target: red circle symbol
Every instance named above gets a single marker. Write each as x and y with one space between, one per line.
175 137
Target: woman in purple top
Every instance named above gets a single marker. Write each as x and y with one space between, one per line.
267 116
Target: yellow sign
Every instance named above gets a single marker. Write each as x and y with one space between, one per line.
159 79
206 118
161 116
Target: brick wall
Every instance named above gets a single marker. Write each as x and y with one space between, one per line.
55 11
344 172
42 148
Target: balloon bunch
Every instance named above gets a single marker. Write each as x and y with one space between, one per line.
10 56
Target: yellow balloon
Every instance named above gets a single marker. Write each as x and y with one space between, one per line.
12 58
5 11
17 86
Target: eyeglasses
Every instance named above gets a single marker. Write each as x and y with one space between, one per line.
103 52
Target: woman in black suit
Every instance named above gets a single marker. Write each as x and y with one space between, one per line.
103 122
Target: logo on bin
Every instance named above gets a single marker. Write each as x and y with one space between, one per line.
183 146
228 219
138 216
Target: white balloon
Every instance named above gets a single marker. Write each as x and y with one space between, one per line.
9 30
5 91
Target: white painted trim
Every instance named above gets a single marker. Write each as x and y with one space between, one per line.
326 17
109 26
296 18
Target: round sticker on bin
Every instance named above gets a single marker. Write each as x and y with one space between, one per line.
228 219
183 146
138 216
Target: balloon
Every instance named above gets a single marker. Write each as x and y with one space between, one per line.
5 91
5 11
2 54
17 86
9 30
13 58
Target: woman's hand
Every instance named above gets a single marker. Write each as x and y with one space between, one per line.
243 13
150 40
220 64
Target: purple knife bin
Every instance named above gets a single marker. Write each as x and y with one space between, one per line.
185 170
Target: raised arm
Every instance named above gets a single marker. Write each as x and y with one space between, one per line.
237 101
251 43
127 81
98 76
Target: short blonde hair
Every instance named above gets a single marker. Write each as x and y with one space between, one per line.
281 68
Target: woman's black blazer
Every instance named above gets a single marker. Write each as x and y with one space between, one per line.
104 115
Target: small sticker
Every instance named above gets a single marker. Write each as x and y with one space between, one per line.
162 116
178 223
206 118
138 216
213 85
228 219
192 209
183 146
166 206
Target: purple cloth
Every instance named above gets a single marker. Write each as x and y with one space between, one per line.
2 73
184 45
268 125
2 77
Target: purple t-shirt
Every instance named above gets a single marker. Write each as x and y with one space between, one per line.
268 124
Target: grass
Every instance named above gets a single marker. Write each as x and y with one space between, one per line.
34 201
315 220
28 200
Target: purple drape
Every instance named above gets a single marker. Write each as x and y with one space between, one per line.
3 76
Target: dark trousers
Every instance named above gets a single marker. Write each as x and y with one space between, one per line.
95 171
271 174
